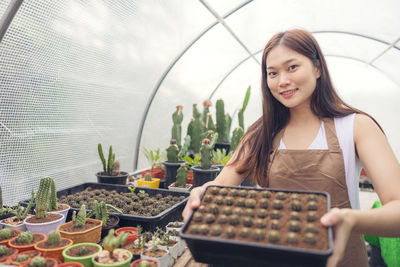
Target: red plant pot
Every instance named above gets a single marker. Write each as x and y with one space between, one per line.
132 231
156 173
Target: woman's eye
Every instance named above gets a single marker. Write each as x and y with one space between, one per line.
271 74
293 67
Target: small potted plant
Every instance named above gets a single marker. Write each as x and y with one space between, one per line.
132 234
4 211
7 253
155 158
205 172
81 229
165 242
111 173
145 263
7 234
82 253
220 158
223 124
180 183
176 225
149 181
100 212
40 261
139 245
55 207
43 221
53 246
26 241
112 255
175 159
20 214
25 257
157 253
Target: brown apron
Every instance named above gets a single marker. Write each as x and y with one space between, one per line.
317 170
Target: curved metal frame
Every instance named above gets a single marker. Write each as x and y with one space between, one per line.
8 16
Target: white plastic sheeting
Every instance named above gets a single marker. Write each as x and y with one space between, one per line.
76 73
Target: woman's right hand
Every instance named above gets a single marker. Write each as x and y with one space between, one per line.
193 202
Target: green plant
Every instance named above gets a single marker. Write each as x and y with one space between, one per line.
241 111
181 176
228 123
147 177
177 118
20 212
5 234
3 250
21 258
38 262
54 238
83 250
206 151
112 242
190 162
53 196
80 220
111 167
100 211
42 197
195 129
24 238
220 156
221 123
3 210
154 157
172 152
236 136
141 241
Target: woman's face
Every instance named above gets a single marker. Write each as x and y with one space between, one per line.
291 76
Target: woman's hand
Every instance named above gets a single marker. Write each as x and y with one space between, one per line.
193 202
342 226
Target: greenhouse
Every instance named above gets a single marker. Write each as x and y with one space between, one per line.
231 127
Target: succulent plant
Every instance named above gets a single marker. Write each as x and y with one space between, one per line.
3 250
237 134
221 122
181 176
312 205
195 129
53 196
292 238
177 118
21 258
83 250
147 177
204 229
37 262
42 197
5 234
206 150
24 238
230 232
172 151
107 166
310 238
100 211
209 218
54 238
80 220
112 242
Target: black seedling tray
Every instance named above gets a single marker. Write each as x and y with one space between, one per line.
225 252
149 223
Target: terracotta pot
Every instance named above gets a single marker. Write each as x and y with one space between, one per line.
5 241
131 237
22 247
55 253
12 251
156 173
70 264
31 254
92 235
48 261
136 263
189 179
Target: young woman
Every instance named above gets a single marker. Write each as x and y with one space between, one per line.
309 139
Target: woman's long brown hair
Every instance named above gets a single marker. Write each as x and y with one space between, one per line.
252 155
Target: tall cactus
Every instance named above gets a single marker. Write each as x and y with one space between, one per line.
185 147
107 165
42 197
221 124
80 220
53 196
206 109
177 118
195 129
209 124
206 150
228 123
181 176
236 136
172 152
241 111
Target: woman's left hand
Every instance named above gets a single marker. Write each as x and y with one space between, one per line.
342 225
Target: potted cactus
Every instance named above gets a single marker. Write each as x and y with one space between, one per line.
55 207
7 234
154 158
81 229
100 212
138 245
194 130
157 253
220 158
82 253
223 124
205 171
112 255
145 263
40 261
53 246
25 257
180 183
7 253
20 214
149 181
111 173
43 221
26 241
175 157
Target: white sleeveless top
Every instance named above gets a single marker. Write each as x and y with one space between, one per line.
344 132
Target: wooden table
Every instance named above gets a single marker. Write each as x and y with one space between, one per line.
186 260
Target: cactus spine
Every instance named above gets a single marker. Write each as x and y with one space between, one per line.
221 123
172 152
181 176
37 262
236 136
53 196
24 238
3 251
177 118
42 197
54 238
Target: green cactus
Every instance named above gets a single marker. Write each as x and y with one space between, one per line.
185 147
206 109
147 177
112 242
5 234
236 136
24 238
177 118
172 152
37 262
54 238
196 112
21 258
241 111
53 196
3 250
181 176
42 197
206 154
209 124
221 123
83 250
107 166
228 123
100 211
79 220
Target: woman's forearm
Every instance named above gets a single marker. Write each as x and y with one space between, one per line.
383 221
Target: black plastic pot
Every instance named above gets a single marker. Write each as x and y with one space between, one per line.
203 176
170 171
105 179
226 146
106 228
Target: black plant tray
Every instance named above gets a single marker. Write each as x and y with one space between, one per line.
149 223
224 252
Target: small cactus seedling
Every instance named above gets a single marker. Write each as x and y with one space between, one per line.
24 238
79 220
37 262
3 250
5 234
207 148
22 257
172 152
54 238
147 177
20 212
181 176
100 211
112 242
83 250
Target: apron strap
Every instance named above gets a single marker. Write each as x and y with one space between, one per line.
331 138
